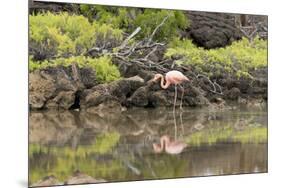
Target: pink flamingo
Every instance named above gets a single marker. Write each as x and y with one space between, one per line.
170 147
172 77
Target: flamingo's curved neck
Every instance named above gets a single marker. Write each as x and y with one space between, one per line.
166 85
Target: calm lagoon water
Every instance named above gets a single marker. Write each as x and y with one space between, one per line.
118 146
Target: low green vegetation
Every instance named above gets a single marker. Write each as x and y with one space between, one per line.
63 39
65 35
238 58
105 70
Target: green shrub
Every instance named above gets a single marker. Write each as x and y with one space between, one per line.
65 35
238 58
34 65
130 18
150 19
105 70
117 17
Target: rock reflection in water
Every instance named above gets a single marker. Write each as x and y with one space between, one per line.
119 147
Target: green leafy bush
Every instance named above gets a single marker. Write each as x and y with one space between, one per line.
65 35
238 58
130 18
118 17
105 70
34 65
150 19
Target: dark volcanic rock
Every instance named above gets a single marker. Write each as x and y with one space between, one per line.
128 71
152 95
212 30
233 93
88 77
50 6
117 91
40 90
57 87
140 97
64 100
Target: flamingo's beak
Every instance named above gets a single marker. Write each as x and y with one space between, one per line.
154 79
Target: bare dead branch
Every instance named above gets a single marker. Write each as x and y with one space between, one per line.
213 84
151 52
75 72
157 28
125 42
217 85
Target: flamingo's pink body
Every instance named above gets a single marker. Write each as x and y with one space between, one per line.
170 147
172 77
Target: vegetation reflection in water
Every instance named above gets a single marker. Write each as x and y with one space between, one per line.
116 147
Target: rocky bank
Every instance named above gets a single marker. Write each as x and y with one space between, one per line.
67 88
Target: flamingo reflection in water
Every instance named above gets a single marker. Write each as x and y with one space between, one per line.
170 147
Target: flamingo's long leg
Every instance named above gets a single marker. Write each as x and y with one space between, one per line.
175 100
182 93
174 112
